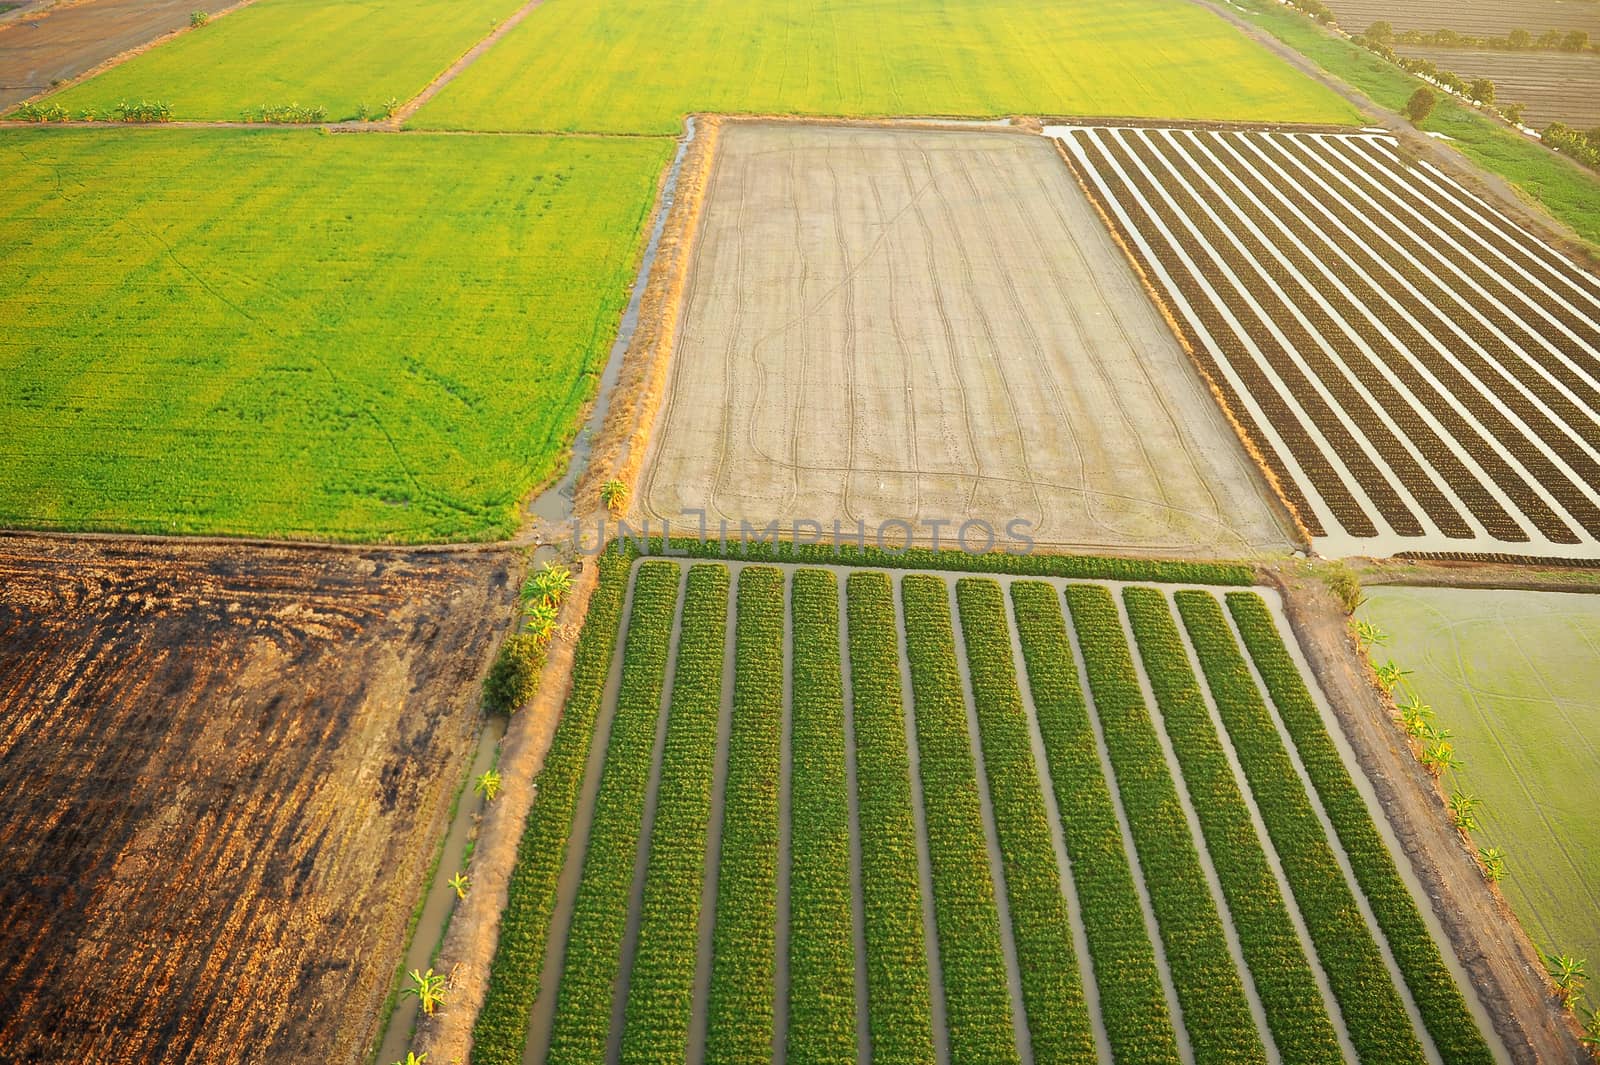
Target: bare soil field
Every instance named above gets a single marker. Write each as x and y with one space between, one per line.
38 49
226 771
1556 86
1422 373
1478 17
923 325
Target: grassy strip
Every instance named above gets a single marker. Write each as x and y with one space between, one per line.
600 914
822 959
977 996
1373 1013
1078 567
744 951
501 1030
898 996
1058 1020
661 992
1283 978
1566 189
1444 1010
1215 1011
1133 1006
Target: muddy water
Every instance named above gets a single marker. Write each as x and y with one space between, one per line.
554 504
440 901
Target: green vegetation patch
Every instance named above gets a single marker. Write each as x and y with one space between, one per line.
1566 189
637 66
311 53
1515 676
356 338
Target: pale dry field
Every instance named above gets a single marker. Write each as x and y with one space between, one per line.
924 325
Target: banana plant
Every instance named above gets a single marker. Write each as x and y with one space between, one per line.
1369 635
549 585
413 1058
1390 676
542 621
461 883
614 496
1439 755
1462 809
1568 973
1591 1032
1493 860
428 987
488 784
1416 718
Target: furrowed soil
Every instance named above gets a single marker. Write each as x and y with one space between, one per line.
1481 17
227 768
1556 86
38 49
992 353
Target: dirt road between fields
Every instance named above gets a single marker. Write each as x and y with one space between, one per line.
914 326
227 771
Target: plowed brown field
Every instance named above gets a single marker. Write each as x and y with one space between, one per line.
225 772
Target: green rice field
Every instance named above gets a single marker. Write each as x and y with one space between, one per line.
932 816
314 53
353 337
640 65
1516 677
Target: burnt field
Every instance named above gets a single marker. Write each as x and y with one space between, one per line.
226 770
1417 371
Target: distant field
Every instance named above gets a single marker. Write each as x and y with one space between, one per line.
1556 86
1482 17
308 52
356 337
1516 677
640 65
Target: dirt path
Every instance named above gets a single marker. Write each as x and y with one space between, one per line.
1492 947
472 55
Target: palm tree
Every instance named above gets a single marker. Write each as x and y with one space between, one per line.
614 496
428 987
488 784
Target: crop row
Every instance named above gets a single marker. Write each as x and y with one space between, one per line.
600 914
661 989
744 945
898 995
501 1030
1133 1005
822 961
977 994
1444 1010
1215 1010
1058 1020
1374 1015
1283 978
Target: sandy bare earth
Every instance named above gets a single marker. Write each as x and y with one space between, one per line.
926 325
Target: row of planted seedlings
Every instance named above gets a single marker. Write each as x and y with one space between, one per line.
783 962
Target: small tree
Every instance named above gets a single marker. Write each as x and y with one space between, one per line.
1493 860
488 784
1382 32
1420 106
1520 39
198 19
460 882
515 673
428 987
614 496
1575 41
1482 90
1514 113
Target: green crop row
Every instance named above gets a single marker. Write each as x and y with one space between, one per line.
1133 1006
744 945
661 989
1215 1010
846 553
1373 1013
600 914
1444 1010
898 995
1058 1019
1283 978
501 1030
976 991
822 960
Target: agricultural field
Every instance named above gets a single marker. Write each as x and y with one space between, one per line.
638 66
992 355
226 772
1420 373
63 41
827 813
353 337
1514 676
1484 18
313 53
1556 86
